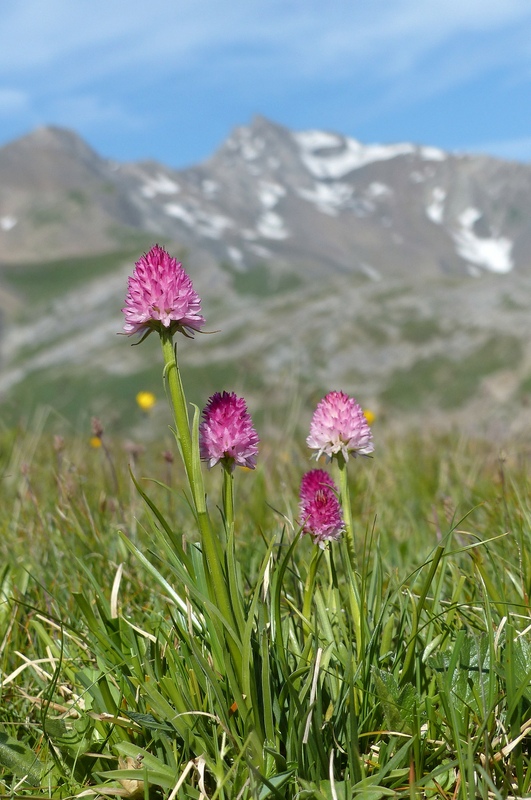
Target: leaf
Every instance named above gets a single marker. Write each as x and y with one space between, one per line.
522 666
149 722
152 769
276 781
398 704
74 737
20 760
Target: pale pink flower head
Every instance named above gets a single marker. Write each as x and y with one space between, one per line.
161 297
226 432
339 426
319 509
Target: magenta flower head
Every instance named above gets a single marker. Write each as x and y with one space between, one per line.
339 426
319 509
161 297
226 432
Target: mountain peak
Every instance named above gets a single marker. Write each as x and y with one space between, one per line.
56 138
270 194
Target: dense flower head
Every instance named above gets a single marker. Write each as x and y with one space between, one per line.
319 509
161 296
339 426
226 432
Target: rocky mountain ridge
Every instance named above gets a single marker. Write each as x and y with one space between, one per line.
313 200
399 273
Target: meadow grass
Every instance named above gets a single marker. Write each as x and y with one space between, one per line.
409 679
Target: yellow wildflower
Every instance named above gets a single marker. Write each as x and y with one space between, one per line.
146 400
369 416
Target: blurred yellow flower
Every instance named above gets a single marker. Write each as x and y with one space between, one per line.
369 416
146 400
95 441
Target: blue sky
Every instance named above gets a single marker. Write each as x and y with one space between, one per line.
168 79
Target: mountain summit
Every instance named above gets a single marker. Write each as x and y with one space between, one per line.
312 200
398 273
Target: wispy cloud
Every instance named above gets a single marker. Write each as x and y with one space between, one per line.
94 63
98 38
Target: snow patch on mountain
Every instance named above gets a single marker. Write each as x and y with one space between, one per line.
432 154
272 226
377 189
328 197
353 155
311 141
270 193
249 146
491 253
159 184
435 211
204 223
210 188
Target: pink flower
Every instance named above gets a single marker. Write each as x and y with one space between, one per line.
320 512
226 433
339 426
161 296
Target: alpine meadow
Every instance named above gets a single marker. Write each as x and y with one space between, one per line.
273 541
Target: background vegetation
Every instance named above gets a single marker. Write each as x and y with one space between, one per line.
90 647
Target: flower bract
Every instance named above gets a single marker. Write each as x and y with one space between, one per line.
339 426
319 509
226 432
161 297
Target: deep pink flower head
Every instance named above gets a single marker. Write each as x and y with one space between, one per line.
226 433
161 296
320 512
338 426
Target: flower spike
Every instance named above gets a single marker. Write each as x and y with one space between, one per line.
226 433
161 297
319 509
339 426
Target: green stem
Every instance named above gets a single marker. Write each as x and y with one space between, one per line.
211 546
347 510
354 593
228 501
232 571
178 402
309 587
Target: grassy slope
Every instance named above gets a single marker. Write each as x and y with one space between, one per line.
439 379
63 506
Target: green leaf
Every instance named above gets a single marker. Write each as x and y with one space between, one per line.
18 759
149 722
276 781
398 704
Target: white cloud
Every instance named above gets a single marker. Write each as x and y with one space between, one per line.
98 38
86 63
86 111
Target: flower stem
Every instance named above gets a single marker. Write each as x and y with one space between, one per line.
346 507
232 569
228 501
211 546
178 402
354 594
309 588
